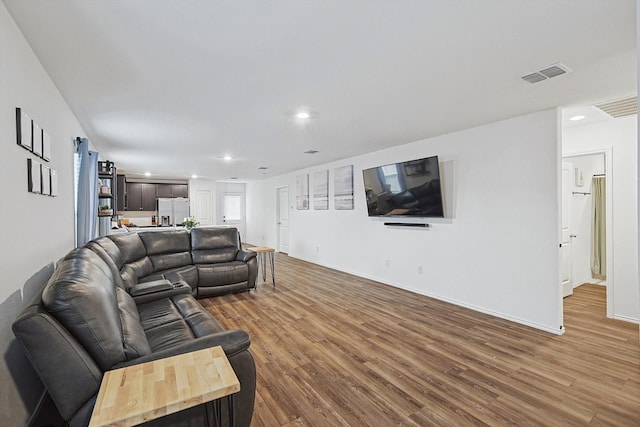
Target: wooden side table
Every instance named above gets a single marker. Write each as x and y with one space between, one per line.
262 252
140 393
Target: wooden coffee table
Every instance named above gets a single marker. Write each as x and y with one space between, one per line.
139 393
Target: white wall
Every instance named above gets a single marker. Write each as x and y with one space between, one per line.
498 250
621 135
38 229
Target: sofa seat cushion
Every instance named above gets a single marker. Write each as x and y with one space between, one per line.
170 321
222 274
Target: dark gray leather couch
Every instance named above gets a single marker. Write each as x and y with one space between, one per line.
93 316
209 259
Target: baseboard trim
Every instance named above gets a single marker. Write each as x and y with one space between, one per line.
490 312
559 331
626 319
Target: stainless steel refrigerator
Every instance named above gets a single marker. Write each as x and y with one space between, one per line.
172 211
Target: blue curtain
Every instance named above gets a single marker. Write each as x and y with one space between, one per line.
87 209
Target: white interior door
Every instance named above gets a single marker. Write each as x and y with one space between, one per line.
202 207
283 219
233 211
567 280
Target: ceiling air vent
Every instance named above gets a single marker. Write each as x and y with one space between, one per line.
311 152
546 73
621 107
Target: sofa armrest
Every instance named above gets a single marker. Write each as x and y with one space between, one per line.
162 291
173 276
245 256
233 341
150 287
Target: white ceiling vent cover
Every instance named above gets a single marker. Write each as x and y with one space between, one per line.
547 73
621 107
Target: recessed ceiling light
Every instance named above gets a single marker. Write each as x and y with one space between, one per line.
227 158
147 174
263 168
233 177
194 176
303 115
576 118
311 152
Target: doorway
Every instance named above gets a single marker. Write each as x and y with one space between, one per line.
585 169
233 207
282 215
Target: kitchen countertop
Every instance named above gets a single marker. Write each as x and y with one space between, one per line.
145 228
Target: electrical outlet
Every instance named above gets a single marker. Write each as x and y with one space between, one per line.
387 263
419 269
317 248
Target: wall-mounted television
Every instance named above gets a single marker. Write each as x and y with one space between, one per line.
410 189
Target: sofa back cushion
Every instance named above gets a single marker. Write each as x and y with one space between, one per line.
210 245
110 254
81 296
132 271
110 248
134 262
167 249
131 247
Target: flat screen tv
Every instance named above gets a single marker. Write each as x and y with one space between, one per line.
407 189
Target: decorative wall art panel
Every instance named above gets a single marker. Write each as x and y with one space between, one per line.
302 192
54 183
343 188
46 145
23 129
321 190
34 180
37 140
46 180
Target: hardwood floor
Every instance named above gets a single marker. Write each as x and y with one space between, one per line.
333 349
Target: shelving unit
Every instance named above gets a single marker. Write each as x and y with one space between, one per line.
107 194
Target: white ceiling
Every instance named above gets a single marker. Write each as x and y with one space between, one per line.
171 86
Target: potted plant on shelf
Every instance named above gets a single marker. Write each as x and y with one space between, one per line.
105 210
190 222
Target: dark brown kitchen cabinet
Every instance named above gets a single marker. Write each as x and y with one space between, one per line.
180 190
121 183
141 196
172 190
163 190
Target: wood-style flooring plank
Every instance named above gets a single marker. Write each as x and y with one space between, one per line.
332 349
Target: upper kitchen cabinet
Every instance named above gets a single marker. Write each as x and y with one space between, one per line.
141 196
163 190
172 190
121 183
180 190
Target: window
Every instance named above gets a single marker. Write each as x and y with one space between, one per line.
391 178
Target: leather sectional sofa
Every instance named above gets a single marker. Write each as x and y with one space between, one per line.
110 304
209 259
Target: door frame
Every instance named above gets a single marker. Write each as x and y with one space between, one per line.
608 160
278 188
566 239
